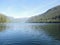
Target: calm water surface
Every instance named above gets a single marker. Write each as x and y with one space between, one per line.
29 34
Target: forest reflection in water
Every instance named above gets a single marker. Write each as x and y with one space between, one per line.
29 34
52 29
3 27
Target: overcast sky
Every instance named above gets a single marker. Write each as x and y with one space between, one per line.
26 8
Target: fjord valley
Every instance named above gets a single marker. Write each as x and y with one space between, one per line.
43 29
29 22
50 16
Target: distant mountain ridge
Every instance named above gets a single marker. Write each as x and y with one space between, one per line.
19 20
8 19
52 15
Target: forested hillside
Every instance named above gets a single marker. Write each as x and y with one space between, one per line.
4 19
52 15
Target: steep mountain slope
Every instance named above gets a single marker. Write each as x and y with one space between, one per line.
52 15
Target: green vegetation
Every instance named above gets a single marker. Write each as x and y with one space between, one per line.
4 19
52 15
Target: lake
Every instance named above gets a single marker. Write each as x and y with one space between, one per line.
30 34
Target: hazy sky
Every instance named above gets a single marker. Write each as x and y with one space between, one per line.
26 8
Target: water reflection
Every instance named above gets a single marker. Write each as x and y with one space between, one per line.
52 29
28 34
3 27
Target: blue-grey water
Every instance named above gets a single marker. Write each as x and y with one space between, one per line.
27 34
